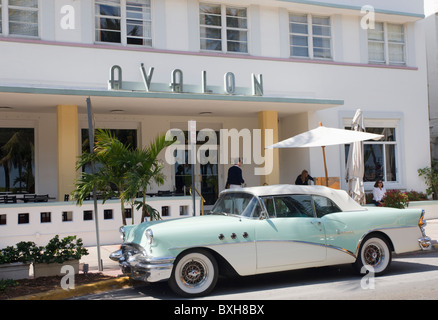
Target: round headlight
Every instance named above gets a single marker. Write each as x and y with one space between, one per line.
149 236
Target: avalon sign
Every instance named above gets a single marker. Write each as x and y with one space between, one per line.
177 85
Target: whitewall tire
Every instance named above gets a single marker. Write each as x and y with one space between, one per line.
195 273
375 255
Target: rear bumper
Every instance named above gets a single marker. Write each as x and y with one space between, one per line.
134 263
425 243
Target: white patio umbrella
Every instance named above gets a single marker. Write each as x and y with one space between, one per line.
355 163
322 137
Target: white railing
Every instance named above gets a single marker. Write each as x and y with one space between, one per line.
39 222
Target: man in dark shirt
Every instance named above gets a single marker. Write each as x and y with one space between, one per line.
235 178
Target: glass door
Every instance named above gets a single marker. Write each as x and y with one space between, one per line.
206 180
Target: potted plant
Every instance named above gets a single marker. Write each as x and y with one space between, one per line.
56 254
15 260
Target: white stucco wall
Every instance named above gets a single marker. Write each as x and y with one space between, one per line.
70 59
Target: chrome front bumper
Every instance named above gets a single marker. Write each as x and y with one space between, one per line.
135 264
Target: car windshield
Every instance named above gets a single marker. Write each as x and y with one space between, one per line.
240 204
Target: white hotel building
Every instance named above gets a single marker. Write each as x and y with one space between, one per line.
318 61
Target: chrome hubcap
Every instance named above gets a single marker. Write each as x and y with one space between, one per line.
193 273
373 255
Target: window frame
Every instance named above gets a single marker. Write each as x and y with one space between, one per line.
310 35
29 126
148 42
389 123
386 43
271 214
224 28
5 19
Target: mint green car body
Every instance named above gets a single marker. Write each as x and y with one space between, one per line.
276 228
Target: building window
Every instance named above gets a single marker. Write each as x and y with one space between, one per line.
67 216
128 213
183 210
17 160
23 218
223 28
386 44
310 36
21 18
46 217
88 215
2 219
165 211
127 22
127 136
107 214
380 156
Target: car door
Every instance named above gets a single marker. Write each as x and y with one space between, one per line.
291 236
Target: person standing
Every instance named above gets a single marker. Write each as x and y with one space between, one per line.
235 179
303 178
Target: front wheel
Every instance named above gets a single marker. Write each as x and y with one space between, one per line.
375 255
194 274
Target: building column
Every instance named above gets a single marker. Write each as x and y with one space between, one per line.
269 120
68 148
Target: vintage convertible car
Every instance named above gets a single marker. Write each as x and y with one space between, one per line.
268 229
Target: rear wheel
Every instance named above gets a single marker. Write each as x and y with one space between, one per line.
374 254
195 273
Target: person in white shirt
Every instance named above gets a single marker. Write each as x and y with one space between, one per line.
378 193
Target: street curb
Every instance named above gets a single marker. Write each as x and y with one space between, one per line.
61 294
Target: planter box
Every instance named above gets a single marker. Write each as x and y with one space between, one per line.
14 271
53 269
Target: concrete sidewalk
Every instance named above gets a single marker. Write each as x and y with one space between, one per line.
432 232
110 267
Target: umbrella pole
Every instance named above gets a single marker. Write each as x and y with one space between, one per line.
325 166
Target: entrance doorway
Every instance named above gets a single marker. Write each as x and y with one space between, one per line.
206 177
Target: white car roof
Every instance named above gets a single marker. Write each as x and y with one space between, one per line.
340 197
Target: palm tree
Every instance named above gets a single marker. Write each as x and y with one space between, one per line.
122 172
146 169
112 158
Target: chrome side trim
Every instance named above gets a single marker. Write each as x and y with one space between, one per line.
211 245
255 242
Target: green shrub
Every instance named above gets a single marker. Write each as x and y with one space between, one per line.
395 199
57 250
